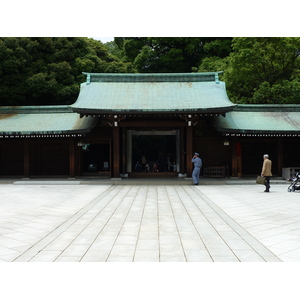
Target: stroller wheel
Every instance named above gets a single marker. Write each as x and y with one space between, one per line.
291 189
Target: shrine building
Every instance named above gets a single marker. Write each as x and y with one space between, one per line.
145 125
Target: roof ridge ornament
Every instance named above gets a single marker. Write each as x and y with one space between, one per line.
217 78
88 78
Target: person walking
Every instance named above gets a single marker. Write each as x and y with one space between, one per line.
266 171
196 160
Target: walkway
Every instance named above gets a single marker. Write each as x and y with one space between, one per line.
148 223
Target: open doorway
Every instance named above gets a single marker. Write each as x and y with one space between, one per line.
153 151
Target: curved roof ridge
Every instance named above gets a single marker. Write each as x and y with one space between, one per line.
152 77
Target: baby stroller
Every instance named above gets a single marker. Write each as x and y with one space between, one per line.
295 185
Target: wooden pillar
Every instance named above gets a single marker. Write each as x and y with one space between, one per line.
279 157
124 147
234 160
116 152
189 150
26 159
182 168
129 152
72 157
78 162
239 158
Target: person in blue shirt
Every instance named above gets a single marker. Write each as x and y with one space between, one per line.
196 160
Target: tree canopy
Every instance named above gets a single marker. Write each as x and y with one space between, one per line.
264 70
48 71
171 54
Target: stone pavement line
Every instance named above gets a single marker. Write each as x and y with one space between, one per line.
256 245
126 245
147 248
39 246
171 247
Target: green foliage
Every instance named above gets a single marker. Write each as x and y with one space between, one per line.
130 47
171 54
213 64
113 49
219 47
48 71
285 92
264 70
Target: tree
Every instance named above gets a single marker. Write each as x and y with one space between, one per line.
171 54
113 49
130 47
213 64
216 54
264 70
48 71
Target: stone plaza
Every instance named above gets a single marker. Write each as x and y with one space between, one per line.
83 221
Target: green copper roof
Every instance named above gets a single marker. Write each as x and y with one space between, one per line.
30 120
256 119
159 92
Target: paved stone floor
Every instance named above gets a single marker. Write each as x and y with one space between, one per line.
148 223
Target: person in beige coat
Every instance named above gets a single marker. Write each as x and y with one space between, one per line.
266 171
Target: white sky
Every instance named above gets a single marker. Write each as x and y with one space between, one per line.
211 18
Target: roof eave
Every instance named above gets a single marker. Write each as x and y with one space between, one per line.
215 110
63 133
245 132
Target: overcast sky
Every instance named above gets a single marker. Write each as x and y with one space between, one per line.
215 18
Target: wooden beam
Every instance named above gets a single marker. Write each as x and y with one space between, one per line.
152 123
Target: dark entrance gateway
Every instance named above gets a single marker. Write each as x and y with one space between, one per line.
153 152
